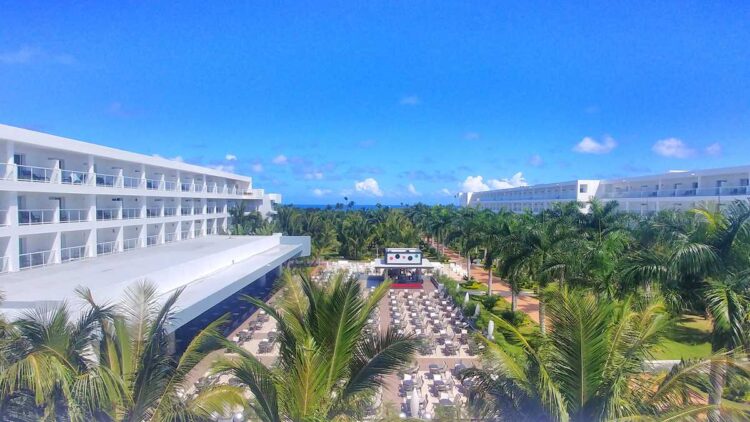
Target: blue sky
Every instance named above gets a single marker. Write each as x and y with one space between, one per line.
389 101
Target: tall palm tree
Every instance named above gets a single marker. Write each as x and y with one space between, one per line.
590 368
328 366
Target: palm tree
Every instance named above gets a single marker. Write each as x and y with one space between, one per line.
328 366
590 368
135 348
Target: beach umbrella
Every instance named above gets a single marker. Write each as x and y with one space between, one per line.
466 299
491 330
476 311
414 405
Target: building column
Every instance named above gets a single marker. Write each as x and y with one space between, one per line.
56 246
91 178
91 243
162 231
119 239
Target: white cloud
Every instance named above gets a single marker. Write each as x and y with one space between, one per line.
257 167
471 136
446 192
280 159
477 183
26 54
315 175
673 148
714 149
590 145
230 157
412 190
369 186
321 192
410 100
536 160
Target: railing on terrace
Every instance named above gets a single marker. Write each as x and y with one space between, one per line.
107 214
210 210
680 192
4 264
185 211
152 240
170 212
185 234
36 259
198 187
186 187
131 213
152 184
197 233
132 243
211 188
34 174
27 217
170 237
73 253
106 180
131 182
153 212
197 211
107 248
73 177
73 215
170 186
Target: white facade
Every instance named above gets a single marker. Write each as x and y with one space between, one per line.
682 190
63 200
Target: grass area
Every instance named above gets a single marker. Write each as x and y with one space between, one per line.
690 338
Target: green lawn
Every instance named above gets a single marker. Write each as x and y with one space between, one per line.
690 338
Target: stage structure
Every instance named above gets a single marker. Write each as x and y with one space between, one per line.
405 266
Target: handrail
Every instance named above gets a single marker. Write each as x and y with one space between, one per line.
107 248
28 217
170 237
106 180
73 215
152 240
74 177
36 259
186 187
131 213
153 212
131 243
104 214
131 182
186 211
185 234
170 186
73 253
27 173
153 184
170 211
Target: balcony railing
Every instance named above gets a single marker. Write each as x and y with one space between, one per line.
170 212
185 234
106 214
210 210
680 192
197 233
211 188
107 248
131 213
34 174
185 211
170 186
73 177
153 212
170 237
152 240
132 243
152 184
186 187
106 180
73 253
197 211
73 215
27 217
36 259
131 182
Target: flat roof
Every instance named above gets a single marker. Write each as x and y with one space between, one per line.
426 264
210 267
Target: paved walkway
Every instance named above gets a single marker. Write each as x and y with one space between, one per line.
527 304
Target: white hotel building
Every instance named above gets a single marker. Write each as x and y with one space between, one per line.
75 213
677 190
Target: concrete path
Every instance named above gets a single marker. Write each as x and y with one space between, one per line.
527 304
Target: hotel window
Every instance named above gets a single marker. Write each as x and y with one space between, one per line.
583 188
